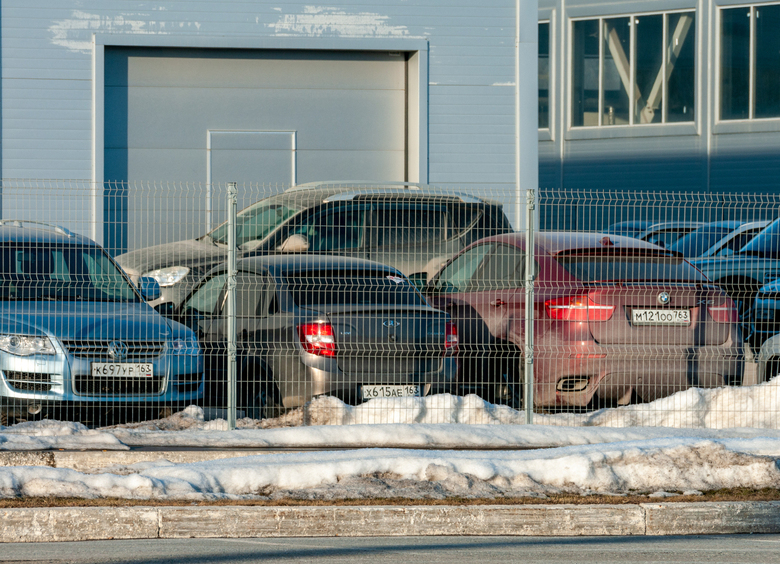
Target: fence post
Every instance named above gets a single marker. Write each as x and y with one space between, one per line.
231 305
530 274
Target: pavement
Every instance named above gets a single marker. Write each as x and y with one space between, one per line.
46 524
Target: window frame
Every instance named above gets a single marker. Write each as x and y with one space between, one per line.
773 122
664 127
545 133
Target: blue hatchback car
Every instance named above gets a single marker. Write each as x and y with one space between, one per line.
75 333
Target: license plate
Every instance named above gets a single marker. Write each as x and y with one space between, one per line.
372 392
122 369
661 317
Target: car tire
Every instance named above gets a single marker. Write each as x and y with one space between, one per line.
258 393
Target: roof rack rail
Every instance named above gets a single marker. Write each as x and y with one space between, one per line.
368 184
23 222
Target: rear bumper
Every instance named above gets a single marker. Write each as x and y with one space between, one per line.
572 376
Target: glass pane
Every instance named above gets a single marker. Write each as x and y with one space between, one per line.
767 62
544 75
617 71
649 69
735 63
585 74
680 67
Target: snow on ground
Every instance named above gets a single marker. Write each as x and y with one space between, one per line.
647 466
695 440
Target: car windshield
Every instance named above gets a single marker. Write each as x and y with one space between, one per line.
695 243
51 272
630 269
766 243
254 223
320 288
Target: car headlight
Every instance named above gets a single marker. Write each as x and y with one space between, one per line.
168 276
188 346
21 345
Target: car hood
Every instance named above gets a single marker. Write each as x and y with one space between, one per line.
77 320
192 253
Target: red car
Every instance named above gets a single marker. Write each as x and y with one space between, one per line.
617 320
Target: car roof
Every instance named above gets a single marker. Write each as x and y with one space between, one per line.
23 231
309 195
289 263
555 242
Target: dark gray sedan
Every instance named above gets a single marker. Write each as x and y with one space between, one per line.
315 325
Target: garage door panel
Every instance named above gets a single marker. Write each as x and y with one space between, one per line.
255 69
180 117
163 165
362 165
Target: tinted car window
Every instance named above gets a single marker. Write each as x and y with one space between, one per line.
314 289
630 269
337 230
204 300
456 276
405 226
61 273
252 294
697 242
766 243
503 269
255 222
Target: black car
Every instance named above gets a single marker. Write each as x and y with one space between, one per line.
318 325
410 227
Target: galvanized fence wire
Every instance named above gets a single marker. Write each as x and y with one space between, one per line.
379 303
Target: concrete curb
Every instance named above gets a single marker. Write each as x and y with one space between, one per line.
104 523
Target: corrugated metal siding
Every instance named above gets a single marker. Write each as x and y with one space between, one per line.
47 71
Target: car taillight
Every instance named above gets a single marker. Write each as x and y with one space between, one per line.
724 312
450 337
577 308
317 338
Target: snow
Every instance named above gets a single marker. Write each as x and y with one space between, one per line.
692 442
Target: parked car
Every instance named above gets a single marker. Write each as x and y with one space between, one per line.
768 360
700 240
742 274
765 316
737 239
628 228
76 334
617 320
314 325
411 227
665 234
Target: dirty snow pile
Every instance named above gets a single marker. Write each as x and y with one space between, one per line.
693 441
655 466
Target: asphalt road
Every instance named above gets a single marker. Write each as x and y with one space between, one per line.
742 549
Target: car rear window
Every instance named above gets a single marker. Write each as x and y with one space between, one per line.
315 289
630 269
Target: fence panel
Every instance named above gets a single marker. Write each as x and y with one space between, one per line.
382 303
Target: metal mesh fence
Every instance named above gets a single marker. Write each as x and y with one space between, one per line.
378 303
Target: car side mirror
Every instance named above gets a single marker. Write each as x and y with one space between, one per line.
419 280
294 244
149 288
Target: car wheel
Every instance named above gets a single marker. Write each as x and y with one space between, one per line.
506 378
258 394
772 369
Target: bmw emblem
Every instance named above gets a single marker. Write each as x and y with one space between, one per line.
117 350
663 298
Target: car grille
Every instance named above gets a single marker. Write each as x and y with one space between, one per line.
98 349
93 385
29 381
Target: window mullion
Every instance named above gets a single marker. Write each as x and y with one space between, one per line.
632 69
601 71
752 64
664 56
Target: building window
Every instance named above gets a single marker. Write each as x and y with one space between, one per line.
544 75
651 56
750 62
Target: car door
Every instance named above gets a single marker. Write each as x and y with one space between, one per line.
339 231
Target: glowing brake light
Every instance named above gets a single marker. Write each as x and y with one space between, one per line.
450 337
577 308
317 338
724 312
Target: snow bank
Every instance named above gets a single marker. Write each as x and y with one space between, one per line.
659 465
46 435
